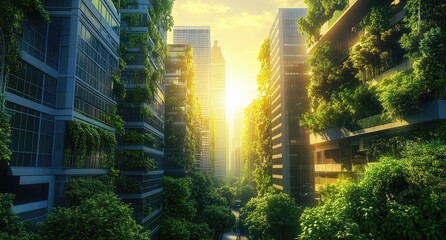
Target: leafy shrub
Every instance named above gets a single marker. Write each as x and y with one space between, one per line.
134 161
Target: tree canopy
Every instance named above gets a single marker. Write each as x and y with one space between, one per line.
273 216
103 216
399 197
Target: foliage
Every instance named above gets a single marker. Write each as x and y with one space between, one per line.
134 160
273 216
373 53
219 218
372 121
421 16
79 189
344 109
118 84
177 201
116 122
84 140
394 144
162 13
10 225
228 193
400 94
103 216
399 197
319 11
174 229
199 231
133 137
262 131
403 93
139 95
245 193
127 184
5 132
193 209
13 15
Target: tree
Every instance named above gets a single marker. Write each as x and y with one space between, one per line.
175 229
219 218
177 201
228 193
103 216
200 231
400 197
274 216
10 225
245 193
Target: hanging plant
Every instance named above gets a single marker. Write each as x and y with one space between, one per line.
85 139
5 132
127 160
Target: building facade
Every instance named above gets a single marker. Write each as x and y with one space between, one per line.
337 151
292 169
218 109
176 111
199 38
64 85
143 111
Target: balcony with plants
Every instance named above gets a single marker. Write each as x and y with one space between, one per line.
348 96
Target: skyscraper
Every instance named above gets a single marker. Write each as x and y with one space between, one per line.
291 165
199 38
61 101
218 108
140 154
178 111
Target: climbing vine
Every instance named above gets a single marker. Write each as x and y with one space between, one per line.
5 131
129 160
84 141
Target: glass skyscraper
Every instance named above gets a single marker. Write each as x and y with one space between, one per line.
292 169
199 38
218 108
65 77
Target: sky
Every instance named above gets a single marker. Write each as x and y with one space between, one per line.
240 26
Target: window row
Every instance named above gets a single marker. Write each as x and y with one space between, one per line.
32 137
33 84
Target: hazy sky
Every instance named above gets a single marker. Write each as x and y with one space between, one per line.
240 26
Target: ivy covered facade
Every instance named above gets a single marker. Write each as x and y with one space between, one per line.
375 77
85 98
60 100
183 118
140 152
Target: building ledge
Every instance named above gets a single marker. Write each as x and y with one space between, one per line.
435 110
333 168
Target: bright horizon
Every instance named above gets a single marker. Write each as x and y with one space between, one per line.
240 28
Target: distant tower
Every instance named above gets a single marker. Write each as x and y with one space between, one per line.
199 38
292 169
218 108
